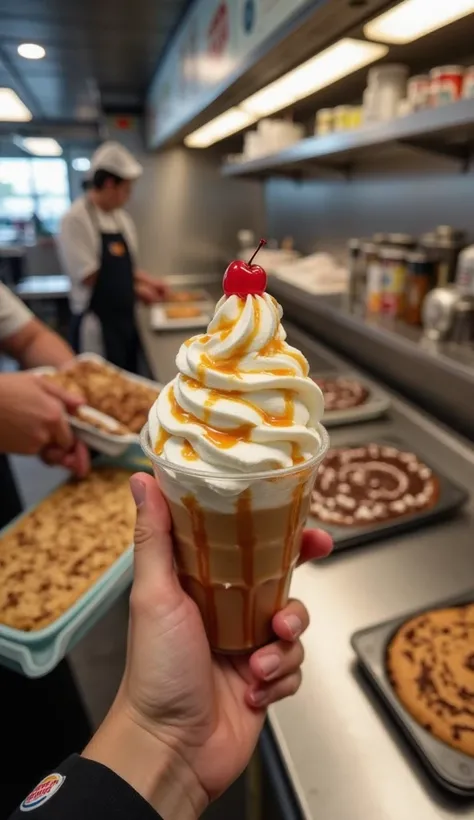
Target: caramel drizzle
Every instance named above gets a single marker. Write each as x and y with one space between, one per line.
246 541
163 437
188 452
290 536
226 439
198 526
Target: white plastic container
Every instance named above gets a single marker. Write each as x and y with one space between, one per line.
387 85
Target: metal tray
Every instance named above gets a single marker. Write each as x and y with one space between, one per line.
376 405
198 295
451 497
109 444
451 768
160 321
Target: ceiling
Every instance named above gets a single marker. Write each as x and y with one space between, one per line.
100 54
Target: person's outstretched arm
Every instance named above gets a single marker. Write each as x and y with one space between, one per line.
185 722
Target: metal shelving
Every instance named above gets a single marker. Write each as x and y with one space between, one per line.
448 131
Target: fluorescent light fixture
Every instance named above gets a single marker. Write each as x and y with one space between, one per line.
218 129
31 51
42 146
414 18
81 164
337 61
11 107
330 65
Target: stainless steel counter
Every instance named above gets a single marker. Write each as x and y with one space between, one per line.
346 758
434 377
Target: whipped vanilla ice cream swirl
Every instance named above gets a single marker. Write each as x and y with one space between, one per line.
242 401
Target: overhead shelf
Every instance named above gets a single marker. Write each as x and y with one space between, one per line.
448 130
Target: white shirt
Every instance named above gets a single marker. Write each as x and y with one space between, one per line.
80 245
14 315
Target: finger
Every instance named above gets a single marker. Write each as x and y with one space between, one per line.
52 454
153 546
263 696
70 401
277 661
77 460
62 433
289 623
315 544
82 460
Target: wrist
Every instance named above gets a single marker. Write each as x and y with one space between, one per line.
152 767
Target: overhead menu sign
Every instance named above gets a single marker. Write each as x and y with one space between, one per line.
214 40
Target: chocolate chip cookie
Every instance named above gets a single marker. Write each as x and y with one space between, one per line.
430 662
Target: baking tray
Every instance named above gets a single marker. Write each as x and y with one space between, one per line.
159 320
34 654
376 405
197 294
451 497
109 444
451 768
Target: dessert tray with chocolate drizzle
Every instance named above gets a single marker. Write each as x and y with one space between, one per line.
367 491
422 665
349 398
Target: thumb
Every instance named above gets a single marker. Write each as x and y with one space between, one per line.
153 545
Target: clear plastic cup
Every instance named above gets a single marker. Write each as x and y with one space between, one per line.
237 540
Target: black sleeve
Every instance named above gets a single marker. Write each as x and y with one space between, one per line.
81 789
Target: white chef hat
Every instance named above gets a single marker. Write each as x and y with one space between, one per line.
113 157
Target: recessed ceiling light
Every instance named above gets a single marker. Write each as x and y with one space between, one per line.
12 109
31 51
42 146
81 164
415 18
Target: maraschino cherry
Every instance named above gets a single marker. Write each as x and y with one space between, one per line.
243 278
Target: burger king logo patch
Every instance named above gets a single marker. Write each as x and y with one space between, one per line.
43 792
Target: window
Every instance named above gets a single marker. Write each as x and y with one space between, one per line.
31 187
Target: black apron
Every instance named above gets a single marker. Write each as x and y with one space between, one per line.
113 300
43 720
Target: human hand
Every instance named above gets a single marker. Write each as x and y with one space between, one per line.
150 289
197 716
33 420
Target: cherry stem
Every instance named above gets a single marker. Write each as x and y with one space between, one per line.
260 245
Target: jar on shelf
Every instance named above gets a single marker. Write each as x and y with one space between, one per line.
394 271
421 278
418 92
357 284
446 84
401 240
443 247
374 290
324 123
468 83
342 118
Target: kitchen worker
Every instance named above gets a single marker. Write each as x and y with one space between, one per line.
43 719
98 246
185 722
